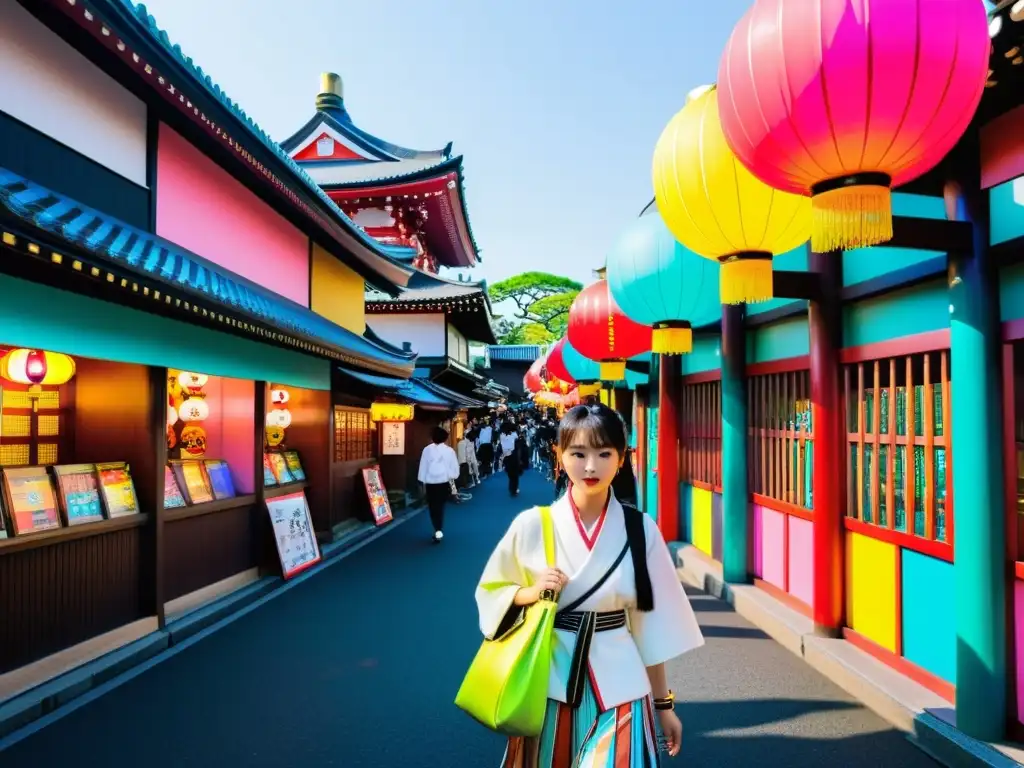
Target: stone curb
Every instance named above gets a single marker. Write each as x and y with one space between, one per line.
50 698
902 702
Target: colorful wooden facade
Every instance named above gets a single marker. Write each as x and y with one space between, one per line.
202 300
411 201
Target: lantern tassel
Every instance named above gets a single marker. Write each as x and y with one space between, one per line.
851 217
613 371
589 390
672 341
746 281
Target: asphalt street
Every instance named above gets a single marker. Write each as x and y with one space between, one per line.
358 667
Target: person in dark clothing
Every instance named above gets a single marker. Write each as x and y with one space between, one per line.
509 443
439 466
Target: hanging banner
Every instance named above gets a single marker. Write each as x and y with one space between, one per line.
392 438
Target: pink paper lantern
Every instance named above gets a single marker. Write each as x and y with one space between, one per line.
844 99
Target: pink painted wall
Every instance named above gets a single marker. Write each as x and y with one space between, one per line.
1018 619
204 209
755 563
801 566
773 549
229 428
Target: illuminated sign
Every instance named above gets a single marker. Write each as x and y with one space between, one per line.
391 411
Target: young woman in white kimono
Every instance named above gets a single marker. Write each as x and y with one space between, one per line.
622 611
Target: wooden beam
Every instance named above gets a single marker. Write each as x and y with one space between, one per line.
790 284
930 234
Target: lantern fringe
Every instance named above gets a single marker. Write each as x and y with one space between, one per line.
588 390
613 371
746 281
851 217
672 341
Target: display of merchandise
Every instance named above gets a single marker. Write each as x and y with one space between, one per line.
78 493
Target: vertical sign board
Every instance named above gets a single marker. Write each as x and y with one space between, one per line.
377 495
293 533
392 438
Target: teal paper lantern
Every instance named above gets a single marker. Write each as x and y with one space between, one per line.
659 282
584 371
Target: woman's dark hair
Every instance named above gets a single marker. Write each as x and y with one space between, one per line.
439 435
595 425
508 427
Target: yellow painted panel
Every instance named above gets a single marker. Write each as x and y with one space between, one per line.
700 504
337 292
871 586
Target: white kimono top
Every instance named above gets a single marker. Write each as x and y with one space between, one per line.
618 657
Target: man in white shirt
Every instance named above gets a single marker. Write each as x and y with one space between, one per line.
438 467
485 449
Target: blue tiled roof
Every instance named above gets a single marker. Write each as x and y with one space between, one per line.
149 256
338 118
526 353
458 398
409 389
139 14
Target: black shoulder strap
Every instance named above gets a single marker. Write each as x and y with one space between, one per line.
637 537
600 582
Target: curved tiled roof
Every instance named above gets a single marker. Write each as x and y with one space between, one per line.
173 269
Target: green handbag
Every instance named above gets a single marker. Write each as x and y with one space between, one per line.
506 687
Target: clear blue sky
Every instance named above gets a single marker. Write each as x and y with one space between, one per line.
555 104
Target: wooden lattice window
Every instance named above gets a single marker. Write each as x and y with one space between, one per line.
898 423
700 436
781 449
32 428
353 438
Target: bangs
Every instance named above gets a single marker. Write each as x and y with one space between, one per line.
593 426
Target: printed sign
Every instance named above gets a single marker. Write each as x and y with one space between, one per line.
392 435
377 495
293 533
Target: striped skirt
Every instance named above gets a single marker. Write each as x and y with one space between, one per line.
621 737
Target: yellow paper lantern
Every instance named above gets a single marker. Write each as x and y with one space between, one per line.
717 208
36 367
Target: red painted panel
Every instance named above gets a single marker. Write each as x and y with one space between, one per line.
703 377
939 549
929 341
906 668
1002 148
341 152
786 365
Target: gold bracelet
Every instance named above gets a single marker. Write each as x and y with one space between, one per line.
668 702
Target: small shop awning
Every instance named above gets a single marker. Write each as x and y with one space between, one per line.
98 248
459 399
411 390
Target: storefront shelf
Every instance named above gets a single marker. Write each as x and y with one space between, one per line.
209 507
61 535
283 490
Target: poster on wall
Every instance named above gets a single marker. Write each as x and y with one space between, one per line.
293 533
392 435
377 494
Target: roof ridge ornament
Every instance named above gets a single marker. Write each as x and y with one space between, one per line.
332 93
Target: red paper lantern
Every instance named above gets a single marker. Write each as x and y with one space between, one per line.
556 365
532 381
598 329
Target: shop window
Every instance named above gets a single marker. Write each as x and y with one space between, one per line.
353 438
781 448
897 422
209 438
73 432
700 437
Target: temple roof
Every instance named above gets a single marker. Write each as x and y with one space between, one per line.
102 248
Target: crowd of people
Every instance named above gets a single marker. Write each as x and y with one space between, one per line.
513 442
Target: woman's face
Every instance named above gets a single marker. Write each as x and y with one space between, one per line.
591 469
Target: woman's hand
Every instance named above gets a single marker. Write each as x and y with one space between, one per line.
672 730
550 578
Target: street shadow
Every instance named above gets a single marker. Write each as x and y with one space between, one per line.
713 735
747 633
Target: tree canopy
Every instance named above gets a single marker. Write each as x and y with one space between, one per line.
541 301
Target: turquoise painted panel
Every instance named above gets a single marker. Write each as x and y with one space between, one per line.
34 315
651 485
778 340
929 627
685 516
796 261
862 264
706 355
907 312
1006 205
1011 292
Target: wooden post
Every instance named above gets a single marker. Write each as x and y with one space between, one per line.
824 322
980 545
735 496
158 434
670 371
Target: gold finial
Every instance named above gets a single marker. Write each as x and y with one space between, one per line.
331 83
697 92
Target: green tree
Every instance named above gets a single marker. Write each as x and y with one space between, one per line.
542 302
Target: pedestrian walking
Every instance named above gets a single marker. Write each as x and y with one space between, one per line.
485 450
509 442
463 451
621 612
439 466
